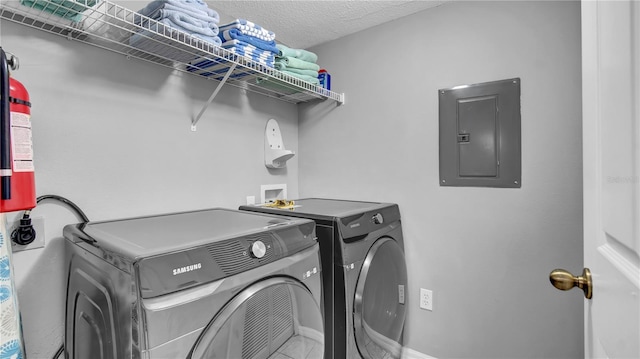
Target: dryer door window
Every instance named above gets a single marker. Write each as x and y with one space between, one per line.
274 318
379 303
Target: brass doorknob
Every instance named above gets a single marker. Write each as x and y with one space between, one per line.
564 280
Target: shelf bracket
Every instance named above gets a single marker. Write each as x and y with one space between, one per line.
213 95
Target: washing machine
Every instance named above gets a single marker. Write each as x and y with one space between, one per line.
213 283
364 274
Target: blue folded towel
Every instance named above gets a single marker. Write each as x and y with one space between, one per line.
188 24
193 12
266 61
192 17
249 28
204 34
247 48
301 54
252 55
241 48
236 34
151 43
170 26
155 5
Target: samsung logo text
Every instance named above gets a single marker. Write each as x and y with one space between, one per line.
186 269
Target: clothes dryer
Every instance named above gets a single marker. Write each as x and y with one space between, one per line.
208 284
364 274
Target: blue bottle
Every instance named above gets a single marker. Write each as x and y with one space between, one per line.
325 79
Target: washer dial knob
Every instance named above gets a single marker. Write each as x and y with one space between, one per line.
378 219
258 249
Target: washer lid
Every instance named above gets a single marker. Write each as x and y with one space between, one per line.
334 207
324 209
148 236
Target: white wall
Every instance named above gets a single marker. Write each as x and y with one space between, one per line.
113 135
486 253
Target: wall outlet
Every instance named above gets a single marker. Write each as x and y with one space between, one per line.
38 226
426 299
251 200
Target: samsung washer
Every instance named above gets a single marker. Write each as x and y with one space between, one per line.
203 284
364 274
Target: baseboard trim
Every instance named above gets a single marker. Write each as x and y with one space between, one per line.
408 353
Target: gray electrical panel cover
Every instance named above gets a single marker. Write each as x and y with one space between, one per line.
480 135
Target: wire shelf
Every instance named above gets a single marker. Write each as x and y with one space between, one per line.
118 29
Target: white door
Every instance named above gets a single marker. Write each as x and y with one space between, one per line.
611 156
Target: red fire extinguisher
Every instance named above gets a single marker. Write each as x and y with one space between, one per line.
16 149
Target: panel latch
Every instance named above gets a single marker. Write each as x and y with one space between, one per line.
463 137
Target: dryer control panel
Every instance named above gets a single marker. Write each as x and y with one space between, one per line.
356 227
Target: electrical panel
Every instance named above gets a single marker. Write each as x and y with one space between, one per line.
480 135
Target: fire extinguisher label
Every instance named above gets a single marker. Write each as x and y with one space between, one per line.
21 141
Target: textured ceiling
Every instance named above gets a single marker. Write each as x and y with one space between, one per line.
302 24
